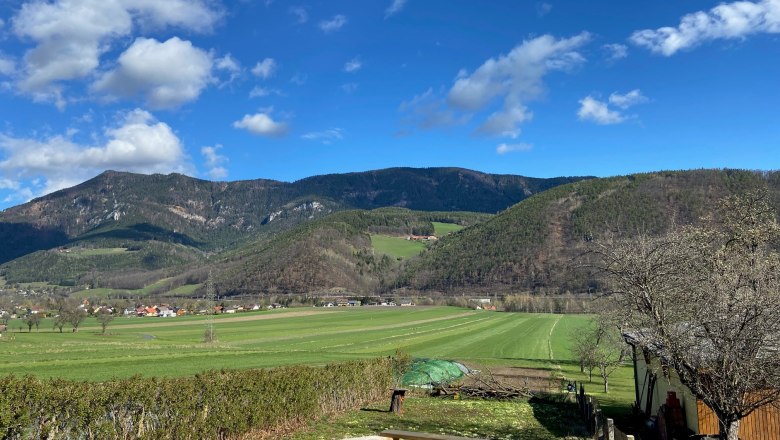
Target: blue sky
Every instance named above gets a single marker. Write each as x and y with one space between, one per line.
230 90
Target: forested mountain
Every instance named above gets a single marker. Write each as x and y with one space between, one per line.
334 252
534 245
117 206
128 231
173 225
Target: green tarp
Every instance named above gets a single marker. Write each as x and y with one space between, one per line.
428 372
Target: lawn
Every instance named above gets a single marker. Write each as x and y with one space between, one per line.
396 247
535 419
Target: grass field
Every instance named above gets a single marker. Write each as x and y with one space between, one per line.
173 347
91 252
100 292
442 229
396 247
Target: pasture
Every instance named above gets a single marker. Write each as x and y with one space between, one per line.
313 336
172 346
396 247
442 229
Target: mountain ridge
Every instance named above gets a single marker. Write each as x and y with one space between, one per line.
116 207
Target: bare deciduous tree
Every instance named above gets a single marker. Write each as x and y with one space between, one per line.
600 348
32 319
60 321
75 317
104 317
707 298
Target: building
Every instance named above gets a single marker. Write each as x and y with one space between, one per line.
661 395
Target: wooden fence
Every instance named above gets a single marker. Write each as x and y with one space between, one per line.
761 424
599 426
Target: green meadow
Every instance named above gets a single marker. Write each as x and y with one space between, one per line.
396 247
315 336
442 229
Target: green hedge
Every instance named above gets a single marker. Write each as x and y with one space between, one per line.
215 404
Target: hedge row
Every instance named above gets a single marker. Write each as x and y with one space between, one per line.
215 404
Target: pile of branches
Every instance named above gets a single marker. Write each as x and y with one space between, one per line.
485 386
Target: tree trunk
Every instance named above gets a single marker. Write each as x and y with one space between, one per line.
729 430
606 386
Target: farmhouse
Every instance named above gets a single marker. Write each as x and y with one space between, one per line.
661 395
165 312
422 237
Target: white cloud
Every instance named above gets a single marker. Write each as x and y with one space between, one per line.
506 122
301 13
508 148
154 70
139 144
70 36
261 124
543 8
615 51
394 8
591 109
7 65
214 161
597 111
333 24
429 110
326 136
353 65
193 15
725 21
517 75
627 100
259 92
515 79
228 64
265 69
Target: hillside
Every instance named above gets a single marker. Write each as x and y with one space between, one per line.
332 253
116 207
172 224
534 245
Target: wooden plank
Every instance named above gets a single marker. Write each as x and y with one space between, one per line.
409 435
762 424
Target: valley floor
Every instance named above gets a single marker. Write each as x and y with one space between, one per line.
503 342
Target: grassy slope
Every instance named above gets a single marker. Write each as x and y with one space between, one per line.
442 229
396 247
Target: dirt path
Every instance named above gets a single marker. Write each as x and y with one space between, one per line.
148 321
549 339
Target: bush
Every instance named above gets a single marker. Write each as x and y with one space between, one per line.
215 404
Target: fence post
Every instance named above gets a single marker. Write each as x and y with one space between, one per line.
609 430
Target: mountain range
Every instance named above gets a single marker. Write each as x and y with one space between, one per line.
167 233
173 224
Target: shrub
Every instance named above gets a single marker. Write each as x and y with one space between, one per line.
214 404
